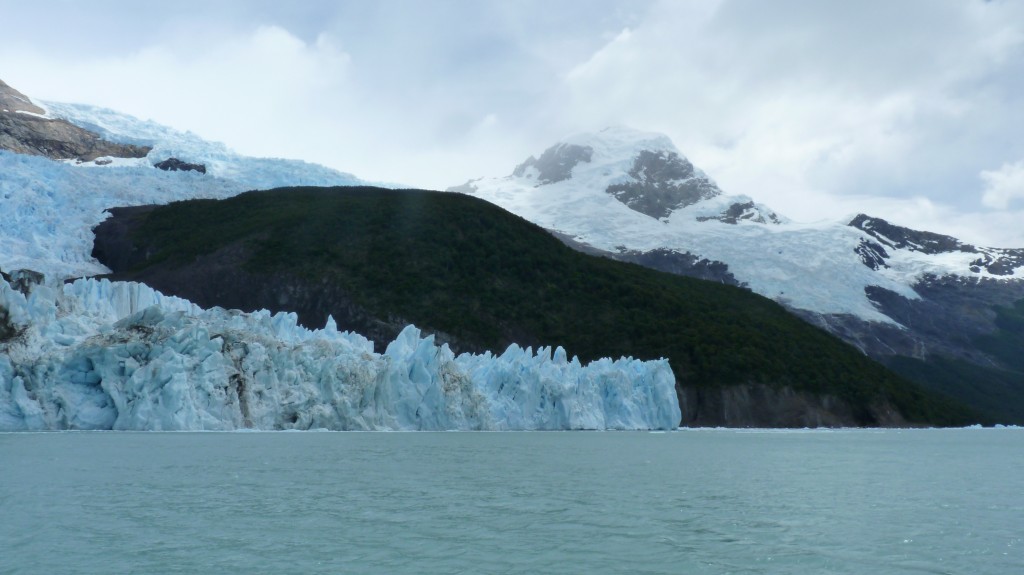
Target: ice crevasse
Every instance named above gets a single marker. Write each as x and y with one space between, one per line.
95 354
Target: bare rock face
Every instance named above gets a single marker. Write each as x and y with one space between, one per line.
24 133
746 211
663 182
25 280
997 261
763 406
556 163
12 100
176 165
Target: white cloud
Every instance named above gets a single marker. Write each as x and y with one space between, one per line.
1004 185
246 89
819 109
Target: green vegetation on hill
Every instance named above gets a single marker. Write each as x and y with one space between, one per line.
459 265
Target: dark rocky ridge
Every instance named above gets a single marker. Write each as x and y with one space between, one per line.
664 183
25 133
59 140
745 211
664 260
12 100
996 261
176 165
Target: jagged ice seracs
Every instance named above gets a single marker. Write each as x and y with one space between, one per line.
95 354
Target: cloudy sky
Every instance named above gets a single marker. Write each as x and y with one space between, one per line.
910 110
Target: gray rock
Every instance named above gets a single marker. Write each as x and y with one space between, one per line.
25 280
556 163
749 405
58 140
997 261
666 260
663 182
12 100
176 165
745 211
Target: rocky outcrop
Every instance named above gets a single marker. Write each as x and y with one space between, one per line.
872 254
744 212
664 260
663 182
997 261
12 100
23 131
59 140
555 164
176 165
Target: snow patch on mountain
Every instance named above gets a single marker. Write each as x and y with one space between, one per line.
115 355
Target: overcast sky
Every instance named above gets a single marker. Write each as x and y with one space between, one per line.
912 110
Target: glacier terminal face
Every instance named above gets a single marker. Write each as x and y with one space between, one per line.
95 354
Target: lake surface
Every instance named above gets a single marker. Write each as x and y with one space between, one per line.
705 501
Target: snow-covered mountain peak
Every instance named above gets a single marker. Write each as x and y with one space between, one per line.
633 195
619 166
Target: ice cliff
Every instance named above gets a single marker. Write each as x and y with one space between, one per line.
95 354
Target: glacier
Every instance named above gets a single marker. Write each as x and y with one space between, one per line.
50 208
220 161
94 354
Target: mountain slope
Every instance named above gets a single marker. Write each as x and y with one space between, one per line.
482 278
902 296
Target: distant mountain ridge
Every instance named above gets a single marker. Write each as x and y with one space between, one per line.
908 298
25 129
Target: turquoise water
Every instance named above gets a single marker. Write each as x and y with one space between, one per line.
715 501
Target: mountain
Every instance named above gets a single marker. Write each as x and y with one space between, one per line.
737 359
941 312
481 278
